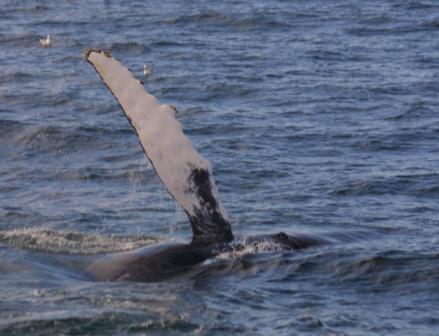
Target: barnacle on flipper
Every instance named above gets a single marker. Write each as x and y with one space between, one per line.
87 52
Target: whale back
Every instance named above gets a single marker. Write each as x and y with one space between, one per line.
186 175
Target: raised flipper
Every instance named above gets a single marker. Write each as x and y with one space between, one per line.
185 173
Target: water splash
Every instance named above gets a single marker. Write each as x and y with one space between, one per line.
250 247
71 242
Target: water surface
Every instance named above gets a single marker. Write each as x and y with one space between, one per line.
319 117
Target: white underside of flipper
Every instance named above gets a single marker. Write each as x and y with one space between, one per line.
184 172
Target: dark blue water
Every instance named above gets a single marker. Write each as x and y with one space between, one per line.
319 117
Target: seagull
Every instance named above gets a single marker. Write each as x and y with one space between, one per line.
146 70
47 42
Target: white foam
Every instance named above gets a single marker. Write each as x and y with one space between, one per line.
247 247
71 242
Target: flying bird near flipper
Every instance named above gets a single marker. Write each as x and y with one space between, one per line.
186 175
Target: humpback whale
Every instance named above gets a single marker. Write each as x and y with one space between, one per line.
186 175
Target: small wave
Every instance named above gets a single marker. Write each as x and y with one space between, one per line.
224 90
253 21
49 138
415 5
22 41
46 139
30 9
396 30
416 111
77 243
405 139
88 320
389 267
208 16
101 174
9 127
16 76
166 43
380 19
128 47
419 185
433 24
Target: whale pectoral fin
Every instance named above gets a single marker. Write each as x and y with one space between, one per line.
186 175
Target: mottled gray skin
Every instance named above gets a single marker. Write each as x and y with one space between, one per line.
163 261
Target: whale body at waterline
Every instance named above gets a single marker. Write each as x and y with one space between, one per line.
186 175
162 261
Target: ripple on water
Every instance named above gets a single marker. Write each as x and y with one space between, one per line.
316 115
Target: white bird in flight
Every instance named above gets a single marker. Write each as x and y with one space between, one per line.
46 42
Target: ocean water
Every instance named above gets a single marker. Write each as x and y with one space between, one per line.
319 117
